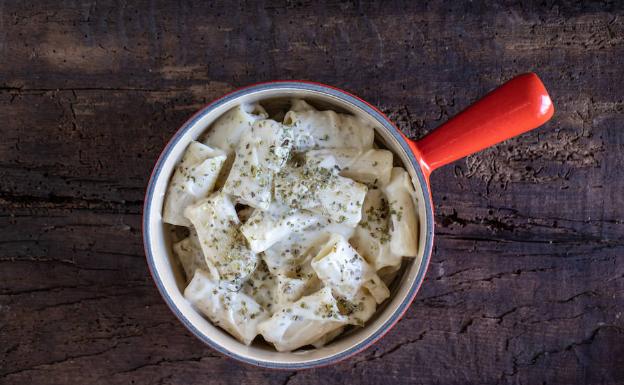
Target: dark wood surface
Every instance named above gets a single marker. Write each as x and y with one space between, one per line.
526 283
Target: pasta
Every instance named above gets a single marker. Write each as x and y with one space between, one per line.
192 258
289 255
217 225
320 189
404 225
290 227
303 322
340 267
327 338
288 290
372 235
227 131
286 257
235 312
359 309
264 228
326 129
389 273
274 291
371 167
258 156
194 178
261 287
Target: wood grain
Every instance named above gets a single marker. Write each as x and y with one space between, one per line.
526 283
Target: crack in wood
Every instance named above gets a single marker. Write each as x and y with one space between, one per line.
538 355
289 378
165 361
380 356
93 286
61 200
56 362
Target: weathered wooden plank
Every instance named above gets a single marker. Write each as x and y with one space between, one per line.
526 280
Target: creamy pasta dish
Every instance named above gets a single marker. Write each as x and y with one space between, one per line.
294 224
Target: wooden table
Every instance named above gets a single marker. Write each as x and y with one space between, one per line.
526 283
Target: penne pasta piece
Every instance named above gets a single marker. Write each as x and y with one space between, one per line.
359 309
327 129
303 322
327 338
341 201
258 156
377 288
217 225
402 209
293 187
265 228
371 167
340 267
273 292
289 290
226 132
321 190
372 235
235 312
193 179
288 256
191 257
389 273
261 287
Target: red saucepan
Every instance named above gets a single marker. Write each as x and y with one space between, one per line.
518 106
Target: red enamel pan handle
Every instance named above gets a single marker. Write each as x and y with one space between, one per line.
517 106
